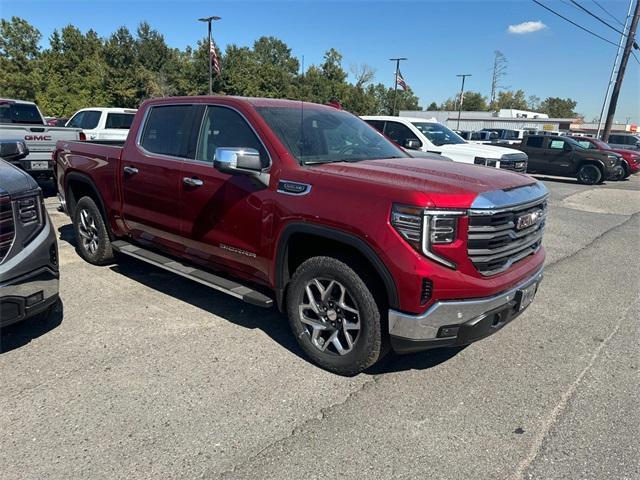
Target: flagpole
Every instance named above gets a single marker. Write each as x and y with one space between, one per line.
209 20
395 85
464 76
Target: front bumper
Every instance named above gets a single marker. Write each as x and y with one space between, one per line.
29 279
461 322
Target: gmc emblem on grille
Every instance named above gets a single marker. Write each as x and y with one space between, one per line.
526 220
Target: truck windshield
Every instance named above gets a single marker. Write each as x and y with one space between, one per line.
23 113
438 134
314 135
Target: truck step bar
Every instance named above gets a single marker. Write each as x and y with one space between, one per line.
192 273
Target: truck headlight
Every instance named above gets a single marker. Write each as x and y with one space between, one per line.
422 229
30 213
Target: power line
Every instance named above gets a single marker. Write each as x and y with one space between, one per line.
596 17
574 23
608 13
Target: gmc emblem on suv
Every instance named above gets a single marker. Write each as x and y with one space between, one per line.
526 220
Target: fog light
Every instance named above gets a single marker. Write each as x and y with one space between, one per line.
448 332
35 298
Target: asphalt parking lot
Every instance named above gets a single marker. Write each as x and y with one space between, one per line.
141 374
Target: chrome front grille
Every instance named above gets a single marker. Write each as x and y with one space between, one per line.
7 227
499 238
519 166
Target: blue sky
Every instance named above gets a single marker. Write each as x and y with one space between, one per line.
440 38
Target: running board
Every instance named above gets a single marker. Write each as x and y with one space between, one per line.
205 278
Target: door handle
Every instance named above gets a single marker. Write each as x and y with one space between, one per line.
130 170
192 182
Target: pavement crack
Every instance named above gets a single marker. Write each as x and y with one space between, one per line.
552 418
298 429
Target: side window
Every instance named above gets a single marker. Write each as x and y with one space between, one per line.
119 120
90 119
535 142
615 139
399 133
377 124
76 120
167 130
224 127
556 144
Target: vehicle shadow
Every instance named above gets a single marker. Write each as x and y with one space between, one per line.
21 333
270 321
67 234
48 187
393 362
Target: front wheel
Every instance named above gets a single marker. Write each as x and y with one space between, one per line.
589 174
334 316
93 242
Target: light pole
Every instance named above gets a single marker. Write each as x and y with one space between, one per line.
464 76
208 20
395 86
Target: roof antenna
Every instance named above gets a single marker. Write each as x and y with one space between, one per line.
302 109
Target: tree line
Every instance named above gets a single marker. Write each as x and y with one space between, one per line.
78 70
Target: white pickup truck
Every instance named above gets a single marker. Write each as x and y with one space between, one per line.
103 123
430 136
20 120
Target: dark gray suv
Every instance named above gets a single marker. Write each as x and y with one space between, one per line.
28 249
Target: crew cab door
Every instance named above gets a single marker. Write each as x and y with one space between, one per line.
559 157
151 173
225 218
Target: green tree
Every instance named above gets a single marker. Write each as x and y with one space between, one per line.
509 99
557 107
472 102
432 106
19 52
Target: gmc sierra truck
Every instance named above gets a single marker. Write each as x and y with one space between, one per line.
21 120
28 248
564 157
309 208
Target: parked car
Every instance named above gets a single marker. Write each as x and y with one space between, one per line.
103 123
430 136
482 137
506 136
630 160
28 249
564 157
307 207
627 141
57 122
23 120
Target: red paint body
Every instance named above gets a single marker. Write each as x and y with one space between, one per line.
630 156
155 206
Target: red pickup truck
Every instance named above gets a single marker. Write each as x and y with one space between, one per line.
308 207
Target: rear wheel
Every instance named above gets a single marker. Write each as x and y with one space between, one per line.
589 174
93 242
334 316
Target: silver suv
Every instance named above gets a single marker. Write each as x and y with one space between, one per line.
28 249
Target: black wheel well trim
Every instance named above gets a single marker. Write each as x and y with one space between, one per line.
282 275
83 178
593 161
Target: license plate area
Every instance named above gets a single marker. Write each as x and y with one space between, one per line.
42 165
525 296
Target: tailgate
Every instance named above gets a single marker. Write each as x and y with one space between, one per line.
39 138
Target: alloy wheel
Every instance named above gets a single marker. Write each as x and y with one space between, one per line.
88 232
330 316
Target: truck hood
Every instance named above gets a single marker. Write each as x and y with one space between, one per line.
478 150
14 181
444 184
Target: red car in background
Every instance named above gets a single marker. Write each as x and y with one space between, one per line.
630 159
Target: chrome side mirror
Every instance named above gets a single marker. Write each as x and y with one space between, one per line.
240 161
412 143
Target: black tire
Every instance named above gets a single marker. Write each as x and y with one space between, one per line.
589 174
368 347
100 252
627 170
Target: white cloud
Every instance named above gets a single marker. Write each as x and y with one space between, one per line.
526 27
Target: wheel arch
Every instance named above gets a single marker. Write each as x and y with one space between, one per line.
78 185
330 237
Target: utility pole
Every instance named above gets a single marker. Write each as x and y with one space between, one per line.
464 76
623 66
208 20
395 85
613 69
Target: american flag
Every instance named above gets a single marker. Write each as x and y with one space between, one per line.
215 63
401 81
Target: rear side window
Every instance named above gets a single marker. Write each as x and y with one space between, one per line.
20 113
399 133
556 144
377 124
119 120
87 120
535 142
169 129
